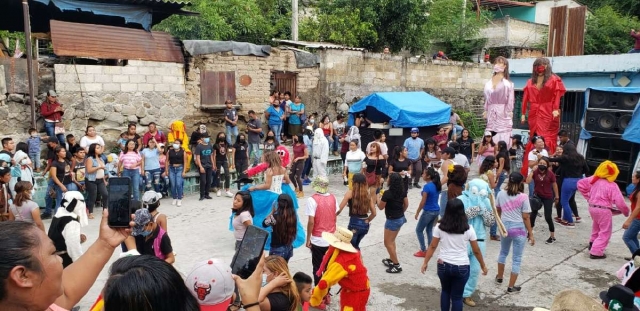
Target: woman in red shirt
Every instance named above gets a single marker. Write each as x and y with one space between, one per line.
546 189
300 155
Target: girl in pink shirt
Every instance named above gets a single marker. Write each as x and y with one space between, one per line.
130 166
602 193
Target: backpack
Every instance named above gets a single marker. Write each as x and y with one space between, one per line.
156 244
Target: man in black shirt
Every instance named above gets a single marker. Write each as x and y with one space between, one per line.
563 135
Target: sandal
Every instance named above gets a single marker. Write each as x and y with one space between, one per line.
394 268
90 216
387 262
499 281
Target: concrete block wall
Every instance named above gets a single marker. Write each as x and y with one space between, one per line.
136 76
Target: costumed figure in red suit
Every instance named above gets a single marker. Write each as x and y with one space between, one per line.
344 266
542 96
282 152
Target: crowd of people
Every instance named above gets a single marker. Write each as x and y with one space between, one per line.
454 210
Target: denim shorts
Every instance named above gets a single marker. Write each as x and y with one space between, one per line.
395 224
284 251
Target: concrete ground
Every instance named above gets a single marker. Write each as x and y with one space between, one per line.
199 231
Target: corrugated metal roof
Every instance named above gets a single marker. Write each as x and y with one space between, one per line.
173 4
495 4
318 45
109 42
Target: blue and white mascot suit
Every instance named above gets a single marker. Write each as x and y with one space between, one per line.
478 207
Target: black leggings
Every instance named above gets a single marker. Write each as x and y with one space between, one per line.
317 253
93 189
225 165
548 207
241 166
296 173
205 182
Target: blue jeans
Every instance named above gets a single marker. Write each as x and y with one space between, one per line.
443 202
254 154
177 182
48 200
134 174
50 128
336 143
426 222
516 235
307 168
359 228
452 280
60 194
531 189
457 129
35 159
630 236
395 224
284 251
569 187
231 131
152 179
276 130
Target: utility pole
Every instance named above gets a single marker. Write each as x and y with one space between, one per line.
27 34
294 20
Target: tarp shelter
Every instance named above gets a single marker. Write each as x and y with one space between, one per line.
620 143
402 109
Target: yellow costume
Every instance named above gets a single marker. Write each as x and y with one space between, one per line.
179 131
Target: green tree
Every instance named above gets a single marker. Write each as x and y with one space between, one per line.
255 21
607 31
456 27
625 7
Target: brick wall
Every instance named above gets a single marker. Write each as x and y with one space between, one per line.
513 32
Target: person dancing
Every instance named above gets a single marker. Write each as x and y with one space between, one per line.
498 103
542 95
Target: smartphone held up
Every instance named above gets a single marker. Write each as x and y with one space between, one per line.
119 202
249 252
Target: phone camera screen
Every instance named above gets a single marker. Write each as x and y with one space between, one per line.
248 255
119 214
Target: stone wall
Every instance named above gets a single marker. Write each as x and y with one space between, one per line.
509 31
349 75
255 95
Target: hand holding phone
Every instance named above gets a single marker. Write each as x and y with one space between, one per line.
249 252
119 202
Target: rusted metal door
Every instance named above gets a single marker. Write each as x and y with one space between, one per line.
557 31
286 82
566 31
216 87
575 31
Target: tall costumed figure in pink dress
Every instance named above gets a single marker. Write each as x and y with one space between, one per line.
498 102
542 95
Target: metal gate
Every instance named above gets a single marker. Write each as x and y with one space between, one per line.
571 107
285 82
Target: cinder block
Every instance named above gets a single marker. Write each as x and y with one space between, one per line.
113 70
161 71
94 69
178 88
59 68
129 70
145 87
154 79
146 71
92 87
103 78
111 87
120 78
85 78
137 79
162 87
135 63
170 80
129 87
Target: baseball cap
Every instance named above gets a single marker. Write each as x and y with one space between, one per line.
143 217
211 283
487 133
517 136
52 93
151 197
414 130
516 178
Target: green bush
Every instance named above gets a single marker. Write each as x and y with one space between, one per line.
473 122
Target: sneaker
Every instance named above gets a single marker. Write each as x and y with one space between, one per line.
416 185
495 238
569 225
515 289
306 182
578 219
45 216
387 262
557 219
219 193
550 240
394 268
420 254
201 198
229 194
597 257
498 280
179 203
300 194
469 302
175 201
627 258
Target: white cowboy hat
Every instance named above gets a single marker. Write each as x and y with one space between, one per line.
341 239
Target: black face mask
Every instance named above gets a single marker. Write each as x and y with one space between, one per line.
542 167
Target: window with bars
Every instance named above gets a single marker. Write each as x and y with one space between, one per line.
216 87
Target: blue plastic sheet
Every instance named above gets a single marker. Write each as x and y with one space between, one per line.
262 204
403 109
131 13
632 132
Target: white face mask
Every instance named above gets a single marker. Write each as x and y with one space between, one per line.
34 135
176 146
312 121
24 162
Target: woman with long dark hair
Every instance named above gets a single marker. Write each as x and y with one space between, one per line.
243 214
400 164
431 155
573 168
62 174
131 164
361 208
632 224
96 179
545 189
284 221
375 163
240 155
300 156
221 148
504 165
394 202
486 170
429 208
487 147
23 208
453 260
514 209
516 152
466 144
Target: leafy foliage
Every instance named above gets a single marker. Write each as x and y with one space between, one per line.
608 31
11 37
624 7
255 21
473 122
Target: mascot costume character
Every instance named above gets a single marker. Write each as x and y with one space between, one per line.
179 131
629 276
542 95
65 227
478 206
282 152
344 266
498 103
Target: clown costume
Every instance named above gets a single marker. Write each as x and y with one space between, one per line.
602 193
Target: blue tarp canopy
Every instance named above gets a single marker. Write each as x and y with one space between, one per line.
632 131
402 109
